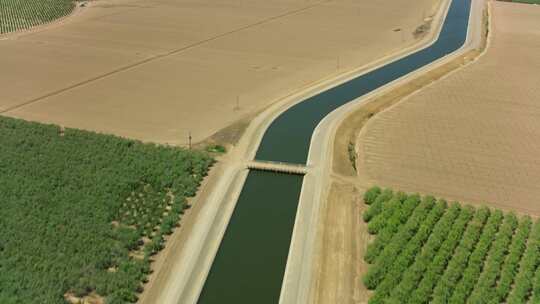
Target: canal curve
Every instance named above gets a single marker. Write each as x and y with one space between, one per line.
250 263
288 137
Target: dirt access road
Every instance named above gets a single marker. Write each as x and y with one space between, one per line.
475 135
157 69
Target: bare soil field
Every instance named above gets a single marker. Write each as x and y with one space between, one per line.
473 136
340 262
156 70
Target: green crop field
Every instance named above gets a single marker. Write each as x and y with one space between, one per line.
429 251
22 14
83 213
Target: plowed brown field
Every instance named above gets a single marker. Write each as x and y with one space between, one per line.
475 135
157 69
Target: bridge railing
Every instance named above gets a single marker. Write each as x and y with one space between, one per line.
280 167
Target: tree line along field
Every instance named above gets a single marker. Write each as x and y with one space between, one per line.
22 14
428 251
83 213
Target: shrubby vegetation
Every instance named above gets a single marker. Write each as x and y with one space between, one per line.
523 282
412 249
438 243
484 291
405 233
477 258
216 148
82 212
23 14
439 264
426 252
398 218
379 221
377 204
457 264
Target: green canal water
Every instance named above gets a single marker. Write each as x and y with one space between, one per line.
250 263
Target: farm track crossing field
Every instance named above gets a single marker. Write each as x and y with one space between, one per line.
430 251
160 70
83 213
23 14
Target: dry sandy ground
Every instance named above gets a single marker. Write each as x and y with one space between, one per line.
343 244
475 135
157 69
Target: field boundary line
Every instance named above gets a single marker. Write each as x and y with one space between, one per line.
159 56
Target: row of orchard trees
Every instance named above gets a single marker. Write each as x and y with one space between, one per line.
427 251
24 14
76 205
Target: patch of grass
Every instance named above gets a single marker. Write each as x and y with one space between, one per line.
216 149
352 155
429 251
83 213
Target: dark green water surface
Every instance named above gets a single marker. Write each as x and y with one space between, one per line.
250 263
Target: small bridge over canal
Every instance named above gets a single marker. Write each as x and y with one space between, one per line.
278 167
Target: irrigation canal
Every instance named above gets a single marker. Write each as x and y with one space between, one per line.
250 263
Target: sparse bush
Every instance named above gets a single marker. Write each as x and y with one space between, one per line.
476 260
439 264
427 266
523 282
377 204
445 286
216 149
407 256
377 223
376 273
398 218
485 291
371 195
